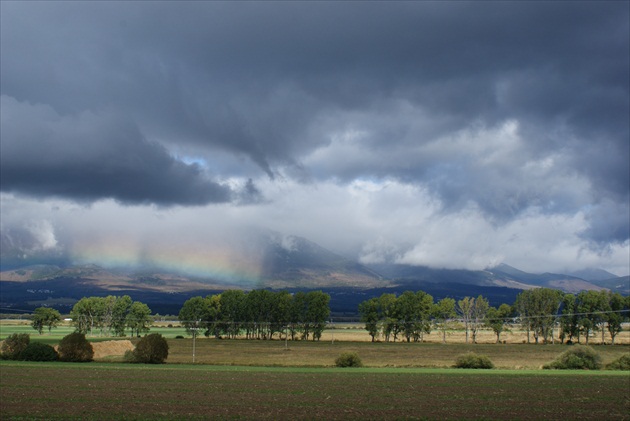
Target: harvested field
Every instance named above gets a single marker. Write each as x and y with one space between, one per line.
111 348
116 391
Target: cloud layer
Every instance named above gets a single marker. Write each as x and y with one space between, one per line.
446 134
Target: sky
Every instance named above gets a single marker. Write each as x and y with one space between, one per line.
445 134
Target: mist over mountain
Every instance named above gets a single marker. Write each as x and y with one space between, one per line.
292 261
288 262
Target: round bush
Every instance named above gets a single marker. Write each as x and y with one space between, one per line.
75 348
621 363
472 360
14 345
37 351
349 359
152 349
579 357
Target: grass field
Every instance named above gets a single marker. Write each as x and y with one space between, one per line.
322 354
100 391
334 342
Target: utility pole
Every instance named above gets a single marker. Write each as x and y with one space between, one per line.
194 329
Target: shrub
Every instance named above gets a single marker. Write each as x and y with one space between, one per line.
75 348
621 363
152 349
129 357
349 359
472 360
13 346
179 337
37 351
579 357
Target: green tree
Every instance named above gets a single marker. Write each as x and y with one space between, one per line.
119 315
389 317
569 322
139 318
548 303
523 308
615 317
414 314
465 308
539 308
281 312
591 307
496 319
232 311
408 313
259 304
45 317
318 312
297 313
443 311
370 315
478 316
107 314
86 314
194 311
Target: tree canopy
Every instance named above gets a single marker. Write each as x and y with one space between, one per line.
259 314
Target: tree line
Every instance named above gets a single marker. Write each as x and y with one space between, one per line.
539 311
111 316
257 314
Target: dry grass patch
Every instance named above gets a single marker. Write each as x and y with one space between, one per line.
111 348
323 354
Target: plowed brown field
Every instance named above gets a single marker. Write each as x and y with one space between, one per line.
119 392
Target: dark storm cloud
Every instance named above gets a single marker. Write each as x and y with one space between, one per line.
277 82
91 157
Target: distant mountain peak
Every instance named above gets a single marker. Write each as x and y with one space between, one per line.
506 269
593 274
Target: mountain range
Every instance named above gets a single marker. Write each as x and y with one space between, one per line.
292 263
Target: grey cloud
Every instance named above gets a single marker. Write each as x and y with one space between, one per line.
608 221
212 72
90 157
274 82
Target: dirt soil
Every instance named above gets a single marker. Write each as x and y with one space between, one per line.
165 393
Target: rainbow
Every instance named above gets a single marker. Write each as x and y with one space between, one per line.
208 262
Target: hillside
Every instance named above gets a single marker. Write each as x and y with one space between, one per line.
288 262
292 262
